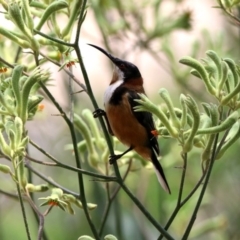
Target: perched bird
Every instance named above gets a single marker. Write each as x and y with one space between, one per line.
134 129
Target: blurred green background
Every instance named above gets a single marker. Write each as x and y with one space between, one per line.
154 35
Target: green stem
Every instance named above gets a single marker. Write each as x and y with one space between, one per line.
71 127
80 21
194 215
70 74
184 157
178 205
51 182
74 169
146 213
111 198
8 194
194 189
23 211
53 39
36 216
229 13
71 97
105 216
18 53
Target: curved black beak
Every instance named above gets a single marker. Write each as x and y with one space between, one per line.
113 59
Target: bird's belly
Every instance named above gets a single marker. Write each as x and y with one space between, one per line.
126 127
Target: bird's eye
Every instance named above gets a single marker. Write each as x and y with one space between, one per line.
122 66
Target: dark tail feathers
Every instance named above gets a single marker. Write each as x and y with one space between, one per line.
159 172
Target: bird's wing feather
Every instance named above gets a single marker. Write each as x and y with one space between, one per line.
145 119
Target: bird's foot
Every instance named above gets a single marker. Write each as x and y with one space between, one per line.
114 158
99 112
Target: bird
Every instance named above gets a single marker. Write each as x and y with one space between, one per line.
133 129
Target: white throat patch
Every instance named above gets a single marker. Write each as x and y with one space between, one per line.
109 91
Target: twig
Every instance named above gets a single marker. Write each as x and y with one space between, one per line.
59 164
208 174
51 182
11 195
215 151
111 198
17 54
178 205
71 97
23 212
53 39
146 213
228 13
70 74
37 215
40 162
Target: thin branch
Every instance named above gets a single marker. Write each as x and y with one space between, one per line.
74 140
146 213
6 63
215 151
111 198
62 165
41 162
53 39
123 180
23 212
70 74
200 181
51 182
178 205
79 23
71 97
108 205
19 50
222 142
209 170
37 214
11 195
184 157
229 13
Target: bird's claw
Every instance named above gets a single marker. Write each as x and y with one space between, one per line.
113 158
98 112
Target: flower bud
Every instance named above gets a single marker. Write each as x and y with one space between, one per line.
202 72
16 16
5 169
52 7
85 237
165 96
110 237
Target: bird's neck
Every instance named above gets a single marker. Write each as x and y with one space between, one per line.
134 83
111 89
116 89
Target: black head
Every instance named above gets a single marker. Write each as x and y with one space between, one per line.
127 69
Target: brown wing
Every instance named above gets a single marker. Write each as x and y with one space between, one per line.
145 119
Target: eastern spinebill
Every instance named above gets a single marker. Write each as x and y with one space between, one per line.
134 129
